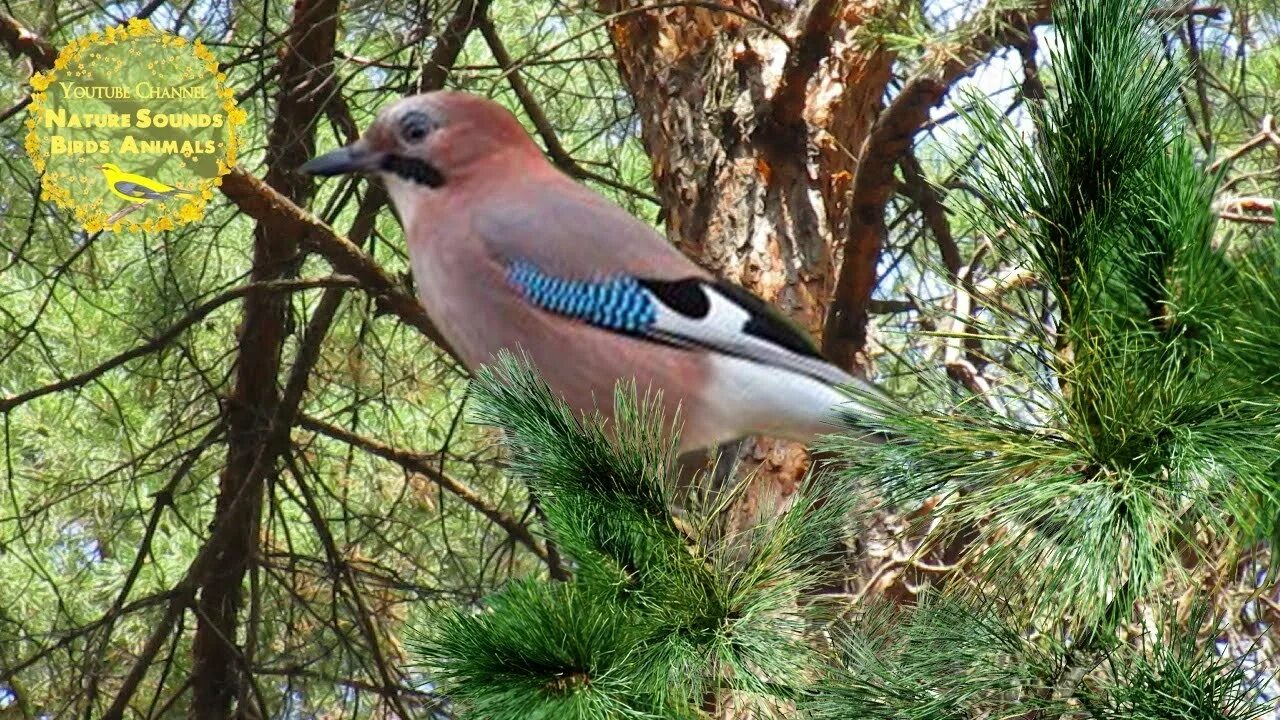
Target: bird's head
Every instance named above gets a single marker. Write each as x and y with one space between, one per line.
108 167
423 142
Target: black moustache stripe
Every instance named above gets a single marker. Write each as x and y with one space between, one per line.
413 170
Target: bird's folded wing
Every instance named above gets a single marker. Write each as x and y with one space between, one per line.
689 312
570 252
134 190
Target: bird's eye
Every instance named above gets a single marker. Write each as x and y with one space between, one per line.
415 125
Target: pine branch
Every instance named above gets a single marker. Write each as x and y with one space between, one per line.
951 658
1150 404
652 622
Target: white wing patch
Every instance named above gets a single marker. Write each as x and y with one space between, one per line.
772 401
723 328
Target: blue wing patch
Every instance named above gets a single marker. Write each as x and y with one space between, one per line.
688 313
619 303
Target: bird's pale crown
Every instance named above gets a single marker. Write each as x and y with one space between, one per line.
419 139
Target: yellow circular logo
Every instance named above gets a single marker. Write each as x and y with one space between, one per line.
132 129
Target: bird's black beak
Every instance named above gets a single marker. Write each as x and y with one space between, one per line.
355 157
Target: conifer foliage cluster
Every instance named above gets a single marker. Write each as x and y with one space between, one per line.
659 617
1135 437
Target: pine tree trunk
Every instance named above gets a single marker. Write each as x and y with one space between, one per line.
753 139
253 439
774 153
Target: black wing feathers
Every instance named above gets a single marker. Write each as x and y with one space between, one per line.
767 323
688 296
685 296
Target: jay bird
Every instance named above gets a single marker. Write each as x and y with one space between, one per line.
510 253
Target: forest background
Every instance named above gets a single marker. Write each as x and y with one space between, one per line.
815 152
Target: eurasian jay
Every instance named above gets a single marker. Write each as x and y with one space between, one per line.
509 253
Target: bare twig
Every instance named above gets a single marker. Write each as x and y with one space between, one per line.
426 465
1267 134
1256 210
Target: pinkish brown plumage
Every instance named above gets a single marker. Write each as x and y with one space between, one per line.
510 253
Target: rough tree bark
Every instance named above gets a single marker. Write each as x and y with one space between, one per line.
306 67
257 419
773 152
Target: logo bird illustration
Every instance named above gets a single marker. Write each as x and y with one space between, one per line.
136 188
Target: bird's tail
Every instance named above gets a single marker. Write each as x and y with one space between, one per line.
863 405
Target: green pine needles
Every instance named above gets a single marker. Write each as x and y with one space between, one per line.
1132 438
1137 427
952 658
657 621
676 621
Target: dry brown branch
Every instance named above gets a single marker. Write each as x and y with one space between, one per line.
1266 134
1256 210
845 332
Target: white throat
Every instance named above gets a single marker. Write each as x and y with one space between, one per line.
407 198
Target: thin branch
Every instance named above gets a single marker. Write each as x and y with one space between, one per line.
159 341
15 108
607 20
364 619
184 594
926 197
1267 134
892 134
555 150
1214 12
1256 210
1192 39
163 501
449 43
21 42
10 672
266 205
426 465
420 696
